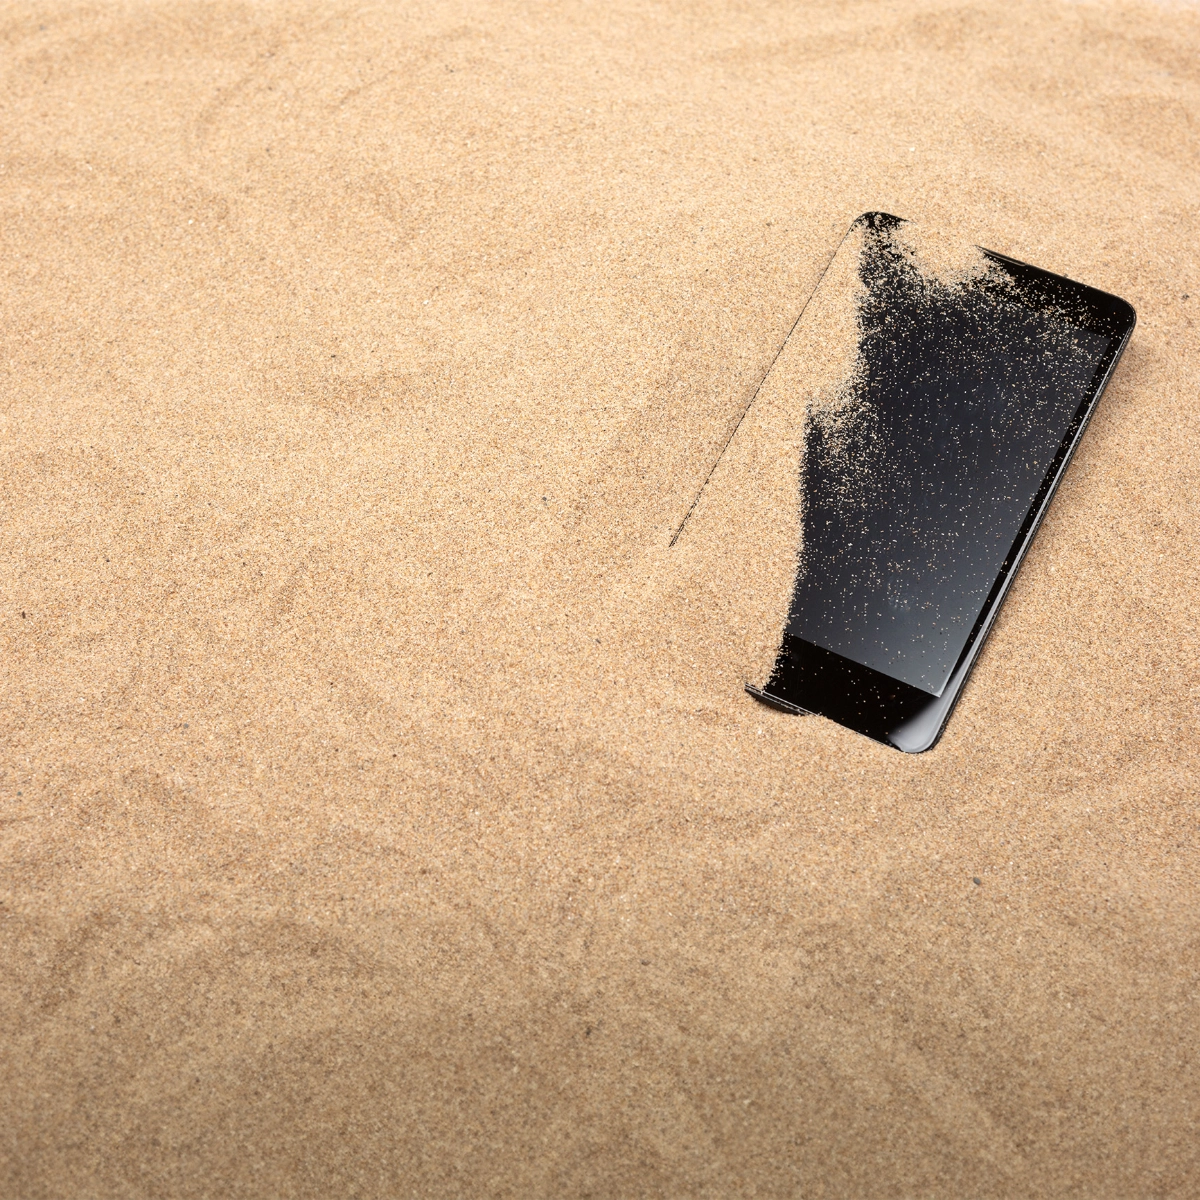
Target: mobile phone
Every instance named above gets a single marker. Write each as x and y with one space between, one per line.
925 478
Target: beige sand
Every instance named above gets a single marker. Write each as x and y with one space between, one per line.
737 551
382 812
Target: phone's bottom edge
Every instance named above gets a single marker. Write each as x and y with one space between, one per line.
881 739
874 706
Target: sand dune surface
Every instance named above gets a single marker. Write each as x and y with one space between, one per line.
382 813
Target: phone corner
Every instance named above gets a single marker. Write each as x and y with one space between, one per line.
924 748
876 219
917 741
1131 316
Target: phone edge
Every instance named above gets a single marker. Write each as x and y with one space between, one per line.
993 612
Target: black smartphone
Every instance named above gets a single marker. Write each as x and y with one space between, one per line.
924 482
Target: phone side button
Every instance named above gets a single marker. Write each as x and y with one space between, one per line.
776 702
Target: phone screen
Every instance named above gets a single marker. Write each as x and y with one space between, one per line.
923 484
915 490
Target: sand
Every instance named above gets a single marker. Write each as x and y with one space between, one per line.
383 814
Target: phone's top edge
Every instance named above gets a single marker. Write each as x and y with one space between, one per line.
877 216
1114 300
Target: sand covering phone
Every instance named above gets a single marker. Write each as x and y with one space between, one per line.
895 466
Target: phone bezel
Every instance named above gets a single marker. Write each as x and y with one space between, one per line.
810 679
